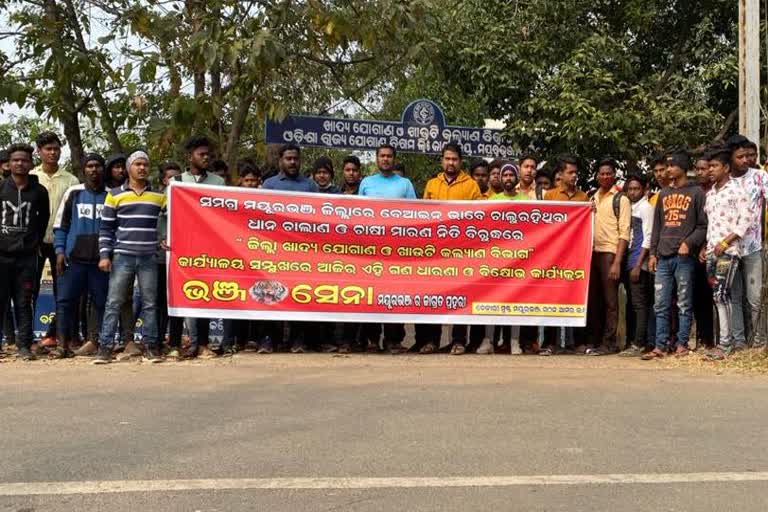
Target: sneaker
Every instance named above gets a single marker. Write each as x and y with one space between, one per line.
152 355
345 348
132 349
546 351
327 348
228 351
173 353
631 351
298 347
89 349
206 353
486 347
266 346
458 349
103 356
25 354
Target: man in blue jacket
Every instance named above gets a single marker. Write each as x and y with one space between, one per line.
76 242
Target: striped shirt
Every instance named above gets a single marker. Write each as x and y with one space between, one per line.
129 221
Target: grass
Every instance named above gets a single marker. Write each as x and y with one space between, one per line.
753 361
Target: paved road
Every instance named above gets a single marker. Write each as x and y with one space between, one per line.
444 423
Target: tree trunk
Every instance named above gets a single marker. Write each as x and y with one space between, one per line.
236 130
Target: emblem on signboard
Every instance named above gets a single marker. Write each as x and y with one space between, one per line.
423 113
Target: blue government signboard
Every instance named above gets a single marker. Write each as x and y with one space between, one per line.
422 129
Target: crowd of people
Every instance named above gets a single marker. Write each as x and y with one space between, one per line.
684 239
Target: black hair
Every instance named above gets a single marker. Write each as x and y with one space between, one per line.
399 167
246 167
196 141
679 158
386 146
495 163
166 165
702 156
635 177
656 159
740 142
528 156
608 162
452 146
4 156
21 146
477 163
45 138
219 166
288 147
565 160
543 173
719 152
351 159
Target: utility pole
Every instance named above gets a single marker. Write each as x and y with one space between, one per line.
749 69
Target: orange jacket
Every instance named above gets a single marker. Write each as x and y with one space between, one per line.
462 188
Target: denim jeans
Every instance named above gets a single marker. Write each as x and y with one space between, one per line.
674 273
77 278
126 268
17 282
721 272
749 279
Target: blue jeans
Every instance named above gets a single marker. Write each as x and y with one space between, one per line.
721 272
749 280
674 272
76 278
125 269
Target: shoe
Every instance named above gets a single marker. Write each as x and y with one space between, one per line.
190 352
485 348
152 355
49 342
327 348
89 349
298 347
396 349
372 347
132 349
206 353
266 346
103 356
25 354
429 348
681 351
228 351
173 353
60 353
37 349
632 351
458 349
345 348
546 351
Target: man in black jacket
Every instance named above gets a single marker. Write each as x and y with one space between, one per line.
24 214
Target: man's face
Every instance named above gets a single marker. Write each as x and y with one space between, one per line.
674 172
322 177
718 170
94 172
740 160
569 175
50 153
290 162
660 174
544 182
558 179
509 180
702 172
169 174
199 157
118 172
752 158
352 174
635 191
606 177
385 159
494 178
250 180
20 163
527 171
451 163
481 176
139 170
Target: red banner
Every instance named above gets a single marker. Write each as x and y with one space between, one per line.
257 254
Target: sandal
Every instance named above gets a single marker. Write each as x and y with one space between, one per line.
429 348
681 351
60 353
458 349
653 354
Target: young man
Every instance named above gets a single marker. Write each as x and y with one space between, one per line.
289 178
749 273
387 184
702 291
56 181
352 175
543 180
76 241
478 170
399 169
658 164
168 171
527 185
613 216
509 185
636 278
221 169
249 175
114 171
494 177
679 231
24 213
451 184
128 241
728 222
198 150
5 164
322 174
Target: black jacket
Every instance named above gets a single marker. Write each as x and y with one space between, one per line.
23 217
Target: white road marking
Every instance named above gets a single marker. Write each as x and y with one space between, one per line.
116 486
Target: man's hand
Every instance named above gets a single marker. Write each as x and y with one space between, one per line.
634 274
61 264
703 255
105 265
164 245
719 249
683 250
652 261
615 271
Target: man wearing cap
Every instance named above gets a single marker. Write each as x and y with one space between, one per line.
128 240
76 242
